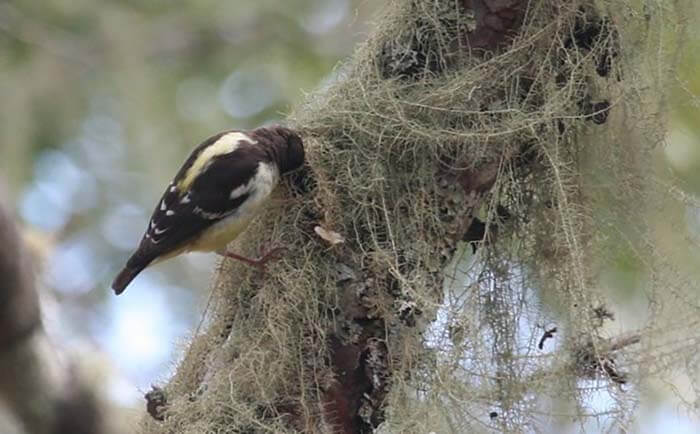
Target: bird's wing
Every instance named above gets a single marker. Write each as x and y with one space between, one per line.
181 215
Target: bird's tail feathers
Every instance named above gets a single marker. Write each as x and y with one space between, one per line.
125 277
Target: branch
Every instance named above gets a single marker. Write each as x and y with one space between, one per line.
593 360
318 344
586 360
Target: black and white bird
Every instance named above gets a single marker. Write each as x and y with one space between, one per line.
215 195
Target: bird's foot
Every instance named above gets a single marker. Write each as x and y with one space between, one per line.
266 255
269 252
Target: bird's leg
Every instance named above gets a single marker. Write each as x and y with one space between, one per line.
252 262
265 257
270 253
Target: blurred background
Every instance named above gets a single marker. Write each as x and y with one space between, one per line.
103 100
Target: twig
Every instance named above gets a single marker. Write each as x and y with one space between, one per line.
548 334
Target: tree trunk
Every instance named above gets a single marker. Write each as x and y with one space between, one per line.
42 390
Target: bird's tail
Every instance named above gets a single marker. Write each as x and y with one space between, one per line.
126 276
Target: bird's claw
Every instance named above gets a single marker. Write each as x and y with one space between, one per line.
266 255
269 254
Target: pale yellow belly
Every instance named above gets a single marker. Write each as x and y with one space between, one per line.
220 234
215 238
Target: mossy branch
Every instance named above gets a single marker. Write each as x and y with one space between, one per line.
456 120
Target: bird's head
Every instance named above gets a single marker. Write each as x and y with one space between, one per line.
292 155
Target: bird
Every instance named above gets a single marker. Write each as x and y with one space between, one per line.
215 195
